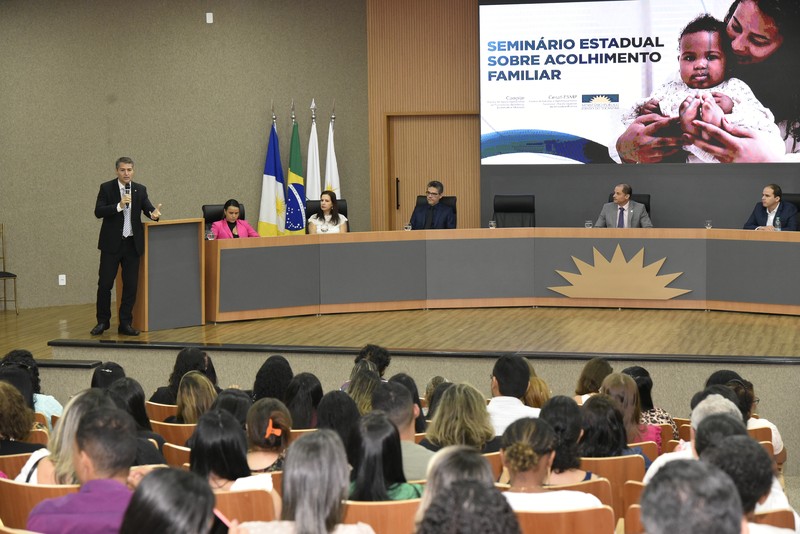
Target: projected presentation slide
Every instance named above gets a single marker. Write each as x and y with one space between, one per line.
636 81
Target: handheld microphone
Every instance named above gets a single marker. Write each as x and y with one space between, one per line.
128 192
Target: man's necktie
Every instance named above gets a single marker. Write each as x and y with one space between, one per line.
429 218
621 218
127 229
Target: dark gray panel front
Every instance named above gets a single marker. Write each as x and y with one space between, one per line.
268 277
682 255
480 268
173 274
372 272
754 271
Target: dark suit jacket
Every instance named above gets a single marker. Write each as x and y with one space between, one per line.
637 216
106 208
443 217
786 211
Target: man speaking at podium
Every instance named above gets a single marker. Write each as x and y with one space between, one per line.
121 243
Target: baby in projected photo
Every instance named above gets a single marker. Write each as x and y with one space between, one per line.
703 92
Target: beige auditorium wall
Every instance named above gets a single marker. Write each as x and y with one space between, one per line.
423 105
84 82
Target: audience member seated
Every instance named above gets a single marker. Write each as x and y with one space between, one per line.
591 378
16 422
359 366
234 401
106 374
622 388
538 393
510 380
722 377
431 385
302 398
452 464
361 387
327 220
231 226
689 496
750 467
604 430
20 379
337 411
564 417
196 394
711 404
436 397
269 427
219 455
44 404
377 460
528 450
170 500
461 418
420 424
273 378
129 396
315 486
394 400
747 404
470 507
376 355
105 449
188 359
651 415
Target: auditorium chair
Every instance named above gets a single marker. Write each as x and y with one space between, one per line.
649 448
633 520
632 493
312 207
385 517
422 200
176 455
159 412
173 433
666 434
12 464
640 198
599 487
6 276
794 198
776 518
249 505
618 470
18 499
39 436
512 211
586 521
496 462
214 212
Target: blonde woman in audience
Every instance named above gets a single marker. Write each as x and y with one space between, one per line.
449 465
361 387
196 394
315 482
431 386
269 427
538 393
591 379
461 419
624 390
527 450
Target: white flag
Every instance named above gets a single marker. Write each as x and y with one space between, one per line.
313 176
331 169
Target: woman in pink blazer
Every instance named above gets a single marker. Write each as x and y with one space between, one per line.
231 227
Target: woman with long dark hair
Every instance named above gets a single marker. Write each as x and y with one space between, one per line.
327 220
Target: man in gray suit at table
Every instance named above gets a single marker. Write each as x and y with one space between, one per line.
623 212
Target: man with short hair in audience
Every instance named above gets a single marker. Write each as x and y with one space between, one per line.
395 401
510 379
692 497
105 450
750 468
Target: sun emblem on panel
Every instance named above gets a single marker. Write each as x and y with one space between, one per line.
600 99
619 278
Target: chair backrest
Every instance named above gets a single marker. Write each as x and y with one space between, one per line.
637 197
294 435
682 421
385 517
39 436
40 418
249 505
172 433
159 412
794 198
588 521
632 493
649 448
633 520
776 518
53 420
214 212
599 487
419 436
760 434
496 462
12 464
670 446
312 207
18 499
768 447
277 482
2 248
514 211
667 433
685 432
176 455
617 470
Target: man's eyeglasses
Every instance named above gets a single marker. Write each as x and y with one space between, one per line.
432 193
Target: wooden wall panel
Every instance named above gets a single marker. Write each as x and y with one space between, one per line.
423 61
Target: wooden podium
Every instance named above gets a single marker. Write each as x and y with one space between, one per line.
171 291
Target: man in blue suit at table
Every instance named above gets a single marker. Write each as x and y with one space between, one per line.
434 215
771 208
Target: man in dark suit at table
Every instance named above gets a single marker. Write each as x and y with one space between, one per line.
121 242
770 209
623 212
434 215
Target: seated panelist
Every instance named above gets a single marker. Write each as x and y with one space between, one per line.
327 220
771 208
623 212
231 227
